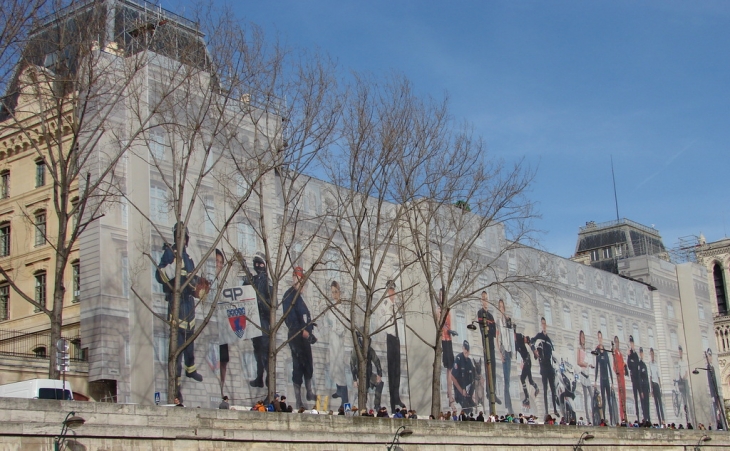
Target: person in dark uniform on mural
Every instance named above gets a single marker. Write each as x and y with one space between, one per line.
485 317
521 342
644 387
391 314
463 376
260 282
542 347
603 370
374 379
299 322
165 275
633 363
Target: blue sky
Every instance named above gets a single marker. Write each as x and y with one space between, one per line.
565 84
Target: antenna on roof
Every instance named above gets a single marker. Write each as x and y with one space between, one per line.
615 197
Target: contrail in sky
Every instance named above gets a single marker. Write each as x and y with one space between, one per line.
667 163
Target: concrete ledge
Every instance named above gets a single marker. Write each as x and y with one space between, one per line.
32 424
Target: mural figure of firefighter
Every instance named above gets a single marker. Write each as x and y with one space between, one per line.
165 275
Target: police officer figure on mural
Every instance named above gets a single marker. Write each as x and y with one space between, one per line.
485 317
263 289
391 313
463 376
603 370
644 386
374 380
633 363
165 275
299 322
521 342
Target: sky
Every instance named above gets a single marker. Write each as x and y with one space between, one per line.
566 85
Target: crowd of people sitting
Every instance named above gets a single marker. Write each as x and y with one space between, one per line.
279 405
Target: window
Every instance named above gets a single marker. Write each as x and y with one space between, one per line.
210 215
76 274
705 341
241 185
40 173
620 330
701 311
40 228
157 144
719 279
246 239
567 322
650 333
4 184
607 252
586 324
461 325
548 313
604 326
74 206
4 302
40 352
158 204
4 239
595 255
40 289
673 341
670 310
635 333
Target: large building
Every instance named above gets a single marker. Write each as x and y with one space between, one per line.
122 308
715 257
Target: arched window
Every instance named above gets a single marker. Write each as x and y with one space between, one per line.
719 278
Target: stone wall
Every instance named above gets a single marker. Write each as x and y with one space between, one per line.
31 425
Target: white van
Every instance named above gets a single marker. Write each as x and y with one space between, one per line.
37 389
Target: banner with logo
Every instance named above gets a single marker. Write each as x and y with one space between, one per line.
238 314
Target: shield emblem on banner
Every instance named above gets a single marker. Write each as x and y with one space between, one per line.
237 321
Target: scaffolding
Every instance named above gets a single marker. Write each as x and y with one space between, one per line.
685 250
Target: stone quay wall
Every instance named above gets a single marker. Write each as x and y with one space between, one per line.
31 425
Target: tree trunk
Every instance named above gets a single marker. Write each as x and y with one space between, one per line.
271 370
436 377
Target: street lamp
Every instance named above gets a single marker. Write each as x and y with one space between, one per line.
401 432
70 422
583 437
713 381
704 438
487 362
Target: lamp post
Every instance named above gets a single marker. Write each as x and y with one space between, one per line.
704 438
400 432
70 422
487 361
583 437
713 381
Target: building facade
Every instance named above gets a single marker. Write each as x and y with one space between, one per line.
648 307
715 257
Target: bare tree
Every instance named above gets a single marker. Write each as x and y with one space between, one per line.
16 20
59 107
292 227
464 201
383 126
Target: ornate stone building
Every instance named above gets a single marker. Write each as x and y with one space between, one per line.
715 257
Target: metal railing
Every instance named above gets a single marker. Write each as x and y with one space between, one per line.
37 345
593 225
